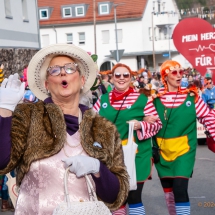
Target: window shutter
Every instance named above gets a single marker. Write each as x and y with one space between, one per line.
105 36
7 8
45 40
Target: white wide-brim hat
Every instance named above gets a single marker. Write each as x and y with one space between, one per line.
39 64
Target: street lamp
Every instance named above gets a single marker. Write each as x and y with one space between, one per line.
94 24
153 42
115 20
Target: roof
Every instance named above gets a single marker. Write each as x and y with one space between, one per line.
128 10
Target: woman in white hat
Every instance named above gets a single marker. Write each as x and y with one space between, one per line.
41 139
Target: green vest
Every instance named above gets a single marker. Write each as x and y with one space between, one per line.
178 143
144 155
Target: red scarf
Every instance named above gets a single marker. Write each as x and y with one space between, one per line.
117 96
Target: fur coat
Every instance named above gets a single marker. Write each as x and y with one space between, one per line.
39 131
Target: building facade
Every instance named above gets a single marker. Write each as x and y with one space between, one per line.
91 25
19 27
19 34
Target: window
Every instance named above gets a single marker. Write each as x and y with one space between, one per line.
69 38
45 40
119 35
67 12
163 5
24 10
8 12
74 10
153 5
105 36
156 33
79 11
165 33
159 33
81 38
44 14
159 7
106 66
104 8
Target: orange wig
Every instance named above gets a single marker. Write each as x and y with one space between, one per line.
133 73
169 66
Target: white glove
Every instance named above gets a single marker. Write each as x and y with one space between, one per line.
11 92
82 165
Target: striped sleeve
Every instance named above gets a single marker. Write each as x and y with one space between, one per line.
96 106
206 116
149 130
202 109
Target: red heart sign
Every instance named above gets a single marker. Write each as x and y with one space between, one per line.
194 38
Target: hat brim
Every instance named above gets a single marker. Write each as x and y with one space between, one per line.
39 64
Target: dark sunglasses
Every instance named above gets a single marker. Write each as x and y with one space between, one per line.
209 83
118 75
175 72
69 68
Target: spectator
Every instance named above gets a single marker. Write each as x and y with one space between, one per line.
190 79
1 74
97 89
141 82
197 84
147 74
146 81
105 81
209 93
184 81
111 80
6 204
25 78
155 83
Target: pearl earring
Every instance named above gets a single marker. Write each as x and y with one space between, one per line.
82 87
48 91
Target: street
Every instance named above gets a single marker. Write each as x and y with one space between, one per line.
201 188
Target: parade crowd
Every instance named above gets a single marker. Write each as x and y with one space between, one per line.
63 113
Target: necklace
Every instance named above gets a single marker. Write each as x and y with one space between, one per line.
71 155
73 146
